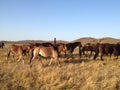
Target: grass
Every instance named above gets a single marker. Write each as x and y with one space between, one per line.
74 74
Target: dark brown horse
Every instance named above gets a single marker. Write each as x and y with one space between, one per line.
2 44
44 51
15 49
72 46
117 50
106 49
88 47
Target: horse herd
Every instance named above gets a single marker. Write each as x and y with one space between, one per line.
34 50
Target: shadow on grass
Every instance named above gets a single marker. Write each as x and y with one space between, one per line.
77 60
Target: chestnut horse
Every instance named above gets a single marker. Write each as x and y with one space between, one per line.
27 48
61 48
44 51
15 49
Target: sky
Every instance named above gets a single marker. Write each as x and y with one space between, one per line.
61 19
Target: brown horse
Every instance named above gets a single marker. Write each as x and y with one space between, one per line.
61 48
15 49
44 51
27 48
2 44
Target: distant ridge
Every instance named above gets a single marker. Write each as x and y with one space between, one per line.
33 41
83 40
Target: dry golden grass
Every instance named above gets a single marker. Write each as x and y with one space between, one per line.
77 74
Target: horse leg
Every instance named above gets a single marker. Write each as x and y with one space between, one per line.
57 60
101 56
32 59
50 61
41 61
90 54
8 55
33 56
13 57
110 55
70 54
95 56
23 60
19 58
80 52
65 54
116 55
28 54
85 53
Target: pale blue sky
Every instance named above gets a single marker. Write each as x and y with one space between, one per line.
63 19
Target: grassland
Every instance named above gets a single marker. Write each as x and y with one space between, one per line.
74 74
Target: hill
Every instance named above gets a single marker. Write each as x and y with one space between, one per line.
83 40
99 40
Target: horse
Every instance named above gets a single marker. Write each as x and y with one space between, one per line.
44 51
106 49
88 47
72 46
116 51
2 45
27 48
16 49
61 48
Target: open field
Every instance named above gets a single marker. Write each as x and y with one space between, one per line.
74 74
